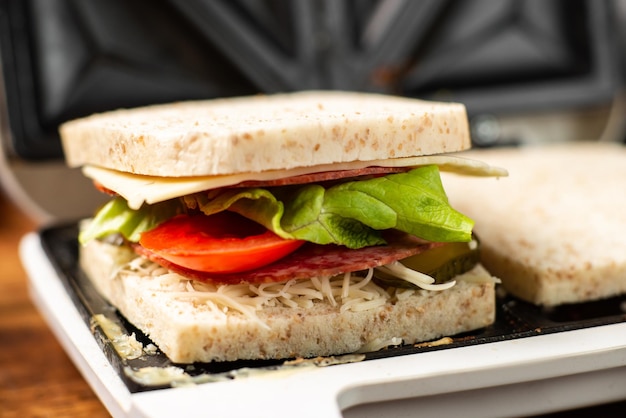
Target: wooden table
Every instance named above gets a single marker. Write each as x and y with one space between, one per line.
37 378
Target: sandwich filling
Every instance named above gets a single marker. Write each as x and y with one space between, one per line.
278 230
353 291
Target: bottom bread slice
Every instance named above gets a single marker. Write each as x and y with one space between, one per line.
187 330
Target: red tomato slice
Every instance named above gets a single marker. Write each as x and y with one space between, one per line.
221 243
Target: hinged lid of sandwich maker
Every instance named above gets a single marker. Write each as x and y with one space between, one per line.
507 62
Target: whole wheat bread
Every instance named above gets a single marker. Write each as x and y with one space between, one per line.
265 132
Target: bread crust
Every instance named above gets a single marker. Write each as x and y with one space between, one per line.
187 333
265 132
553 231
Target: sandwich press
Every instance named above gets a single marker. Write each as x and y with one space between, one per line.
531 361
64 59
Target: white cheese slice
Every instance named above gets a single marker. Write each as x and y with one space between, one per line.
139 189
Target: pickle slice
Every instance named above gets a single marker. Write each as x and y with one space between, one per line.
442 263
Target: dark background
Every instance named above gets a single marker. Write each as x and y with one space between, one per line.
527 70
67 58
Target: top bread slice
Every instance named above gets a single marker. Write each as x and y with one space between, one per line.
554 231
264 132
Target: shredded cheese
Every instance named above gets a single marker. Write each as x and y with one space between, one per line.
421 280
350 291
379 344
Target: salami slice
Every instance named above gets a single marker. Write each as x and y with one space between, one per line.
311 260
324 176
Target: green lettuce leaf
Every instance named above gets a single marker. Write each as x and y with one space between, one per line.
299 213
352 213
419 201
